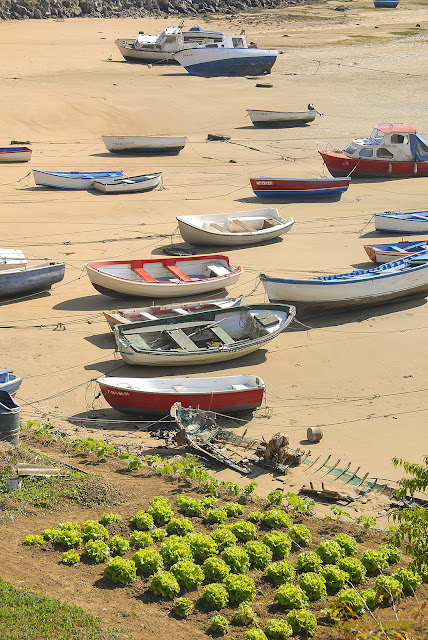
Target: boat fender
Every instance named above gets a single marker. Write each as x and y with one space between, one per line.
389 167
345 163
415 168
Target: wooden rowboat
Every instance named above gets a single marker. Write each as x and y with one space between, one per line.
412 222
203 337
15 154
9 382
155 396
145 182
266 187
387 282
71 179
278 119
162 277
30 279
389 252
127 316
239 228
144 144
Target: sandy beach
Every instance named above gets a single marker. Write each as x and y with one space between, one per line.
360 375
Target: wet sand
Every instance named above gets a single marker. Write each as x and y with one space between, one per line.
361 375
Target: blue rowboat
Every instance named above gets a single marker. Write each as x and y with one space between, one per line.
389 252
267 187
9 382
30 279
72 179
411 222
385 283
385 4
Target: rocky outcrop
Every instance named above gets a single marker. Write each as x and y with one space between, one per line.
42 9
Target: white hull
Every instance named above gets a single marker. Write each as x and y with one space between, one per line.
166 360
58 181
16 156
214 385
330 294
143 144
223 60
280 118
142 55
400 225
122 281
127 185
228 231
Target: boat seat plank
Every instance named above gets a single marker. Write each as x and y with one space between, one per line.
175 325
179 388
270 222
178 273
137 342
180 311
266 318
243 225
217 269
147 316
182 340
398 249
217 227
144 275
221 333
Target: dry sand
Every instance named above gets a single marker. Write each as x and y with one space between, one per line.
360 375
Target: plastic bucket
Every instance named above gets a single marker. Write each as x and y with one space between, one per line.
10 414
314 434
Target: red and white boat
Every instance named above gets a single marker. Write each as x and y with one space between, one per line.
127 316
155 396
390 252
266 187
391 150
15 154
162 277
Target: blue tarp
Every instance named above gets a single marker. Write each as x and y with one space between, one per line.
419 147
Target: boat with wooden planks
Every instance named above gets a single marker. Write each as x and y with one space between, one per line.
162 277
278 119
203 337
389 252
234 229
15 154
134 184
72 179
139 145
155 396
411 222
387 282
127 316
267 187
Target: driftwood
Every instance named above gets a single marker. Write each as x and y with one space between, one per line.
328 494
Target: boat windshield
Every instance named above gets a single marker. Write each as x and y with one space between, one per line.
376 136
350 148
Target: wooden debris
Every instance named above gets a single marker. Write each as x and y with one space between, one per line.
328 494
42 470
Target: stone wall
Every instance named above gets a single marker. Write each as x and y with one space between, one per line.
41 9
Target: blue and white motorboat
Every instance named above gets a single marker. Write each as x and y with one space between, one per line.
411 222
387 282
231 57
30 279
389 252
72 179
9 382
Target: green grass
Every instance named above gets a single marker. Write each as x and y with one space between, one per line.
27 616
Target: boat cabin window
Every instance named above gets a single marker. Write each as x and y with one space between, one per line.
421 149
366 153
384 153
237 43
170 39
398 138
350 148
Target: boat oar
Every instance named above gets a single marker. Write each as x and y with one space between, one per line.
312 108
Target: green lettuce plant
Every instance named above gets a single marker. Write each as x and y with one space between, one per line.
239 588
255 634
255 516
120 570
216 516
352 602
219 625
233 509
244 530
70 557
348 544
373 560
215 569
190 506
215 596
223 537
371 598
302 621
160 510
278 629
158 534
118 546
408 580
354 568
142 521
97 551
179 526
108 518
140 539
245 615
308 561
164 584
388 587
237 559
278 542
187 573
280 572
330 551
174 549
391 552
300 534
291 597
201 545
334 577
276 518
314 585
260 554
93 530
148 561
182 607
33 539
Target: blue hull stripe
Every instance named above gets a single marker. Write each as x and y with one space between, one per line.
233 66
309 193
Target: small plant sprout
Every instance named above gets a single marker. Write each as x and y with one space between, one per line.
366 521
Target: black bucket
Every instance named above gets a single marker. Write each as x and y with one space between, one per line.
10 413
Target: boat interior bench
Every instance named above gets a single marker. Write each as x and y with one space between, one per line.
144 275
217 227
216 269
245 226
137 342
221 333
178 273
182 340
270 222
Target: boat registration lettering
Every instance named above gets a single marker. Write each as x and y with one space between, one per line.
119 393
264 182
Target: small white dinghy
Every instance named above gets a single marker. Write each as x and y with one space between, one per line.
11 258
155 396
277 119
233 229
162 277
146 182
144 144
